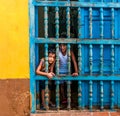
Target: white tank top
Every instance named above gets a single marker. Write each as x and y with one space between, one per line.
63 63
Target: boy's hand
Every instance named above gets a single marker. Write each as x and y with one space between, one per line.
50 75
75 74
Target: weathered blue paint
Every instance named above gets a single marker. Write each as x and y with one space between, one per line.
79 23
82 77
101 96
37 96
112 59
90 95
77 4
37 59
80 58
36 22
79 95
68 22
37 82
112 96
46 94
69 59
32 57
69 95
57 21
101 23
46 61
98 43
46 21
101 59
90 23
112 23
118 96
57 95
91 58
46 57
57 59
74 41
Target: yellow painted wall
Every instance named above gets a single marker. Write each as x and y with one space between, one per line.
14 39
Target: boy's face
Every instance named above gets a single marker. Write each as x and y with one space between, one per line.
51 58
63 48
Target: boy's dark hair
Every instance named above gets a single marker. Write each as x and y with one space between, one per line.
63 35
51 51
63 43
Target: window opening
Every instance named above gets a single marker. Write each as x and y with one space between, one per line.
91 31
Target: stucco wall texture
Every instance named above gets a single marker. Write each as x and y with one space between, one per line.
14 97
14 58
14 39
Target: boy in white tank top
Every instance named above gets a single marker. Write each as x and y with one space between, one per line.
63 67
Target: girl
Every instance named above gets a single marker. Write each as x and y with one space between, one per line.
41 71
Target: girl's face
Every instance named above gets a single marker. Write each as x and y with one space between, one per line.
51 58
63 48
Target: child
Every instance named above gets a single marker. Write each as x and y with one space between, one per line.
41 71
63 67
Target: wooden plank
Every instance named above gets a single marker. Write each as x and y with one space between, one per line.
77 4
77 41
32 57
82 77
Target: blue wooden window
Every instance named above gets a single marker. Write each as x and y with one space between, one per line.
93 27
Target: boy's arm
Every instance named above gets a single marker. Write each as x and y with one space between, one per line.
75 64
